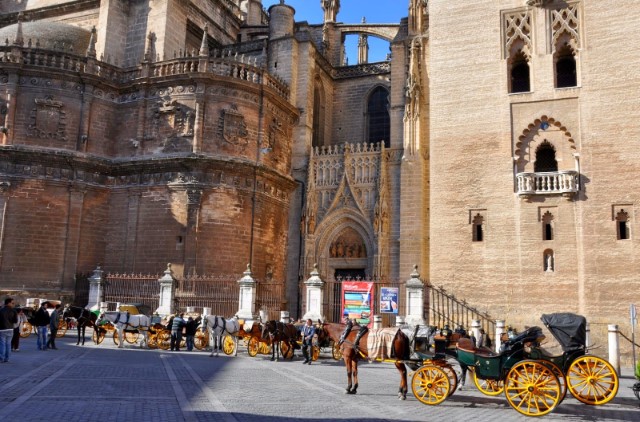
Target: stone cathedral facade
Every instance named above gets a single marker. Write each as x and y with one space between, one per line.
497 148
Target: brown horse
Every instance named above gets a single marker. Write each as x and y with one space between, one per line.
351 354
277 332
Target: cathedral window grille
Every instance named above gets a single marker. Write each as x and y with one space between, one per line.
622 224
378 116
547 226
517 47
545 158
478 228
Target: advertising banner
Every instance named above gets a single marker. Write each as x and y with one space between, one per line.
357 297
389 300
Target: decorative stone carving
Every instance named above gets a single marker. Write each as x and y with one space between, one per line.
176 116
565 27
233 127
517 33
48 119
538 3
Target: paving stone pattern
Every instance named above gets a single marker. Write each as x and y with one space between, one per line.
103 383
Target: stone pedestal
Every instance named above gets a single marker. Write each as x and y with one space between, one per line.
96 289
247 300
415 299
475 329
284 317
499 332
167 290
314 296
377 322
614 348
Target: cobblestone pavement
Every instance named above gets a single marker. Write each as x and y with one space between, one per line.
102 383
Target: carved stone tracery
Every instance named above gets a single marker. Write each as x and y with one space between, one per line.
517 33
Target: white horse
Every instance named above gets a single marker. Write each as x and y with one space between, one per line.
124 320
217 327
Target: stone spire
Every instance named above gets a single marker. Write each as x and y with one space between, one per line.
363 47
19 41
149 52
91 49
331 9
204 46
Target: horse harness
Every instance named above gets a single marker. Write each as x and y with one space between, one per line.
223 325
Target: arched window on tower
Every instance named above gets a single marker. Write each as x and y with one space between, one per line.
378 116
478 228
622 225
566 75
545 158
519 72
547 226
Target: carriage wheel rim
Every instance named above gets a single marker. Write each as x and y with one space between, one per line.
430 385
592 380
532 388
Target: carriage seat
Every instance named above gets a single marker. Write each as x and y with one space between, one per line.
467 345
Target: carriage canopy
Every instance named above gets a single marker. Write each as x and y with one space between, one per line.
569 329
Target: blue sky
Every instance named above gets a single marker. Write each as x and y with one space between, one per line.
352 11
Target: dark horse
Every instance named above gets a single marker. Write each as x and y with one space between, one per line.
277 332
83 317
351 354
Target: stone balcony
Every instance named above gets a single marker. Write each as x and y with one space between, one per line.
563 183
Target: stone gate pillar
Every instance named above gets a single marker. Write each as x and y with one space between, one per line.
247 301
167 291
314 296
415 299
96 289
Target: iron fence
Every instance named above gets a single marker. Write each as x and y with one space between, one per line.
133 288
218 292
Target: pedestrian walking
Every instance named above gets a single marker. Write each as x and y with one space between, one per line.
308 331
8 318
41 321
17 329
176 332
190 329
53 327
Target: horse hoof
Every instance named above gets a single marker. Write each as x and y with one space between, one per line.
351 392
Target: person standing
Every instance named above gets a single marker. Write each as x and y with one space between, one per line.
176 332
308 331
8 318
41 321
53 327
17 329
190 329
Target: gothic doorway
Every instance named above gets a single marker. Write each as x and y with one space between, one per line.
349 273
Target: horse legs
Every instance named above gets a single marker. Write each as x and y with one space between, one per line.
120 334
78 342
347 365
354 370
402 390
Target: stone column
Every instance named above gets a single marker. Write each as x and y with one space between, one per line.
475 329
499 332
247 301
614 348
400 321
377 322
167 290
314 296
96 289
415 299
4 203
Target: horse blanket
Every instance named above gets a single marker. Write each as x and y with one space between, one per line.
380 343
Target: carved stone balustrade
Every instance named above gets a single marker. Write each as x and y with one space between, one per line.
548 183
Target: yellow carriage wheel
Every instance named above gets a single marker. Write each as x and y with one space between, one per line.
26 329
592 380
98 335
265 348
253 347
131 336
336 351
532 388
430 384
315 353
228 345
287 350
164 339
451 374
116 339
488 386
152 340
201 340
62 328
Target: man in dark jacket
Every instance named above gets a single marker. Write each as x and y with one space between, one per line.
8 318
176 332
190 329
53 327
41 320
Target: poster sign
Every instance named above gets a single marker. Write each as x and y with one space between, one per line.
357 297
389 300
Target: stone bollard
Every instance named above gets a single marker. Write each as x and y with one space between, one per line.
499 332
475 329
104 306
614 347
284 317
587 337
377 322
206 311
399 321
264 315
191 309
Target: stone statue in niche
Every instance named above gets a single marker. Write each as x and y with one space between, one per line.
312 224
549 263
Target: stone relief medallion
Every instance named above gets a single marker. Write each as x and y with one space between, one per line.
234 128
172 122
48 119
